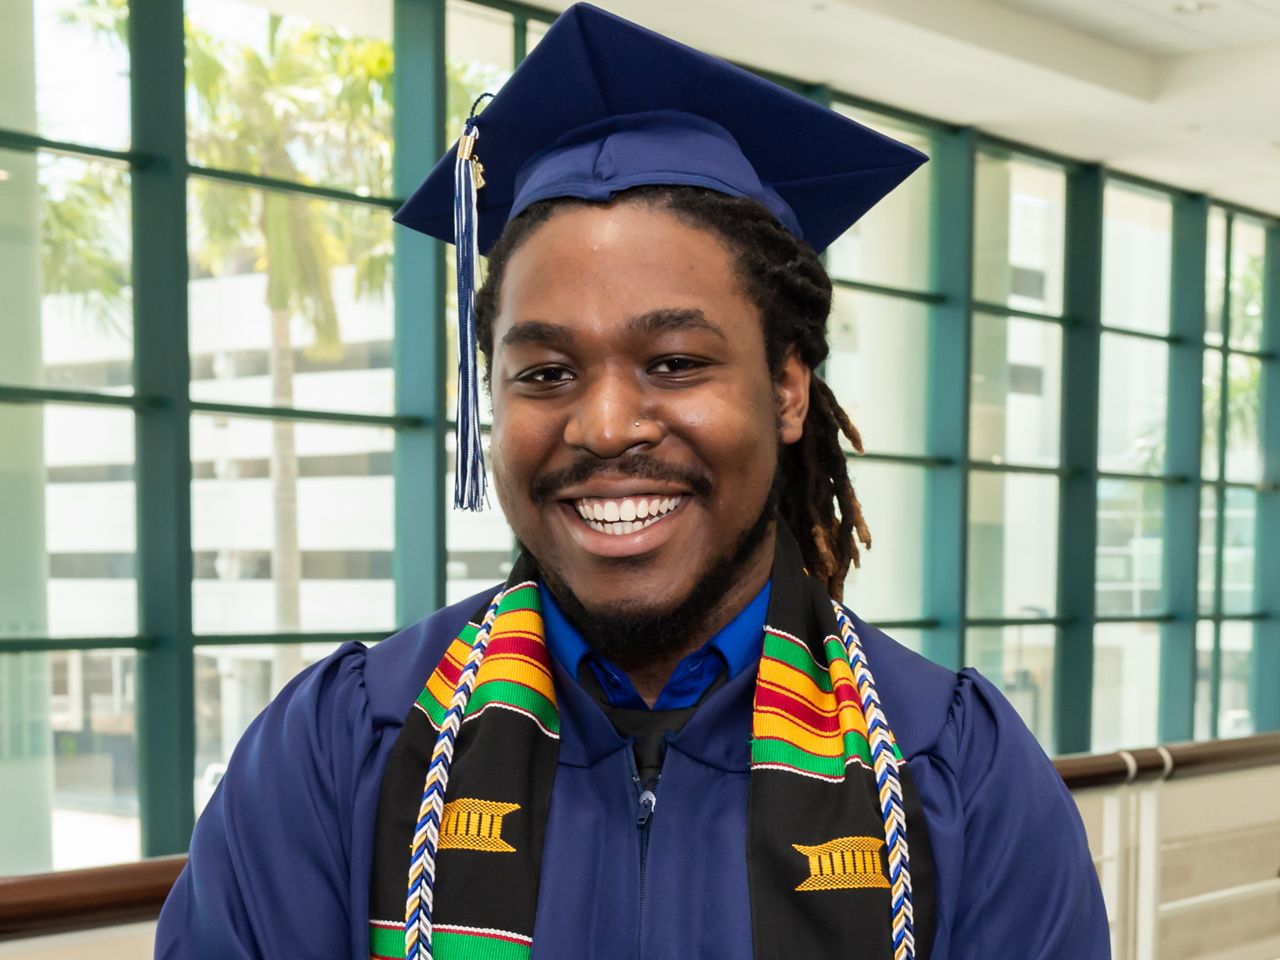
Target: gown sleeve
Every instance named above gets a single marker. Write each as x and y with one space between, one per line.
1028 887
269 867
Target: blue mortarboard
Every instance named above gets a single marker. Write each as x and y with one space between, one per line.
602 105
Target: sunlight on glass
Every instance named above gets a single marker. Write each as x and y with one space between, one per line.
67 515
1137 249
479 57
305 99
878 368
1235 692
1126 685
1211 407
290 300
1019 233
69 770
66 69
1013 545
1207 569
890 583
1133 404
481 545
890 244
1019 660
292 524
1248 254
66 273
1238 551
1016 391
1130 570
1203 723
1244 416
1215 275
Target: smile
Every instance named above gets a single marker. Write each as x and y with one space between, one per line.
626 514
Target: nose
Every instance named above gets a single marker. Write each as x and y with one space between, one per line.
611 417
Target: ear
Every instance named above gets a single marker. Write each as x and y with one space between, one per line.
791 393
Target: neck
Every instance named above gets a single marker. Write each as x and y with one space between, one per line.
650 676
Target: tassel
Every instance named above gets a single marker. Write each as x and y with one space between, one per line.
468 179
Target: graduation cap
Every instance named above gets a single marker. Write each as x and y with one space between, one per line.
602 105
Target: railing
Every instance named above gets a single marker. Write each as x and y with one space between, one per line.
42 903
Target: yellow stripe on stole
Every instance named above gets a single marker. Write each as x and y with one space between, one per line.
775 726
516 669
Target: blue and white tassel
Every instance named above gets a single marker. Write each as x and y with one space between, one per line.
468 178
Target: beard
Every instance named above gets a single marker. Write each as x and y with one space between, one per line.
637 637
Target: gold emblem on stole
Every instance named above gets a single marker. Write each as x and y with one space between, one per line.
470 824
846 863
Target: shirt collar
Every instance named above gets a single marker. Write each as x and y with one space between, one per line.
739 641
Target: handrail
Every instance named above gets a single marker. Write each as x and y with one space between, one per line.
101 896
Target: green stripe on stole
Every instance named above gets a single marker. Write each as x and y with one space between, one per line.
389 942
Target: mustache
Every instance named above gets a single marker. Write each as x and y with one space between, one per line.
638 466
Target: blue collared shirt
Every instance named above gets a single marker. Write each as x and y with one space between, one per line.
736 647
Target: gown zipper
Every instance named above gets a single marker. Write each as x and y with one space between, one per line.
646 803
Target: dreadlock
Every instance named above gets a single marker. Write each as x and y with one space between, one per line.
786 281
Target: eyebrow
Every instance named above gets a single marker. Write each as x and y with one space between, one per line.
652 323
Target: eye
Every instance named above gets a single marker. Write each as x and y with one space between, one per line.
546 376
676 366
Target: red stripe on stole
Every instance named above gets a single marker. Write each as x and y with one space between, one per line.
792 706
521 645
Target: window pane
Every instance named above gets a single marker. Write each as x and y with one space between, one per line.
878 369
66 70
1212 413
232 685
67 516
1130 548
65 273
534 31
68 760
1137 247
890 244
1019 660
1134 404
293 526
913 640
1203 727
1126 685
290 301
480 55
1248 252
481 545
1215 275
890 583
1235 705
1238 551
305 99
1016 403
1013 545
1244 405
1207 572
1018 233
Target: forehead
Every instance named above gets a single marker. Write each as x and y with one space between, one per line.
613 262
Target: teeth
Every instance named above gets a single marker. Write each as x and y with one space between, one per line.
625 515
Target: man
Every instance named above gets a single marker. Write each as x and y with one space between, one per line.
661 738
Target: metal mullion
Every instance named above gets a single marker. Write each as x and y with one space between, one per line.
919 624
419 355
990 466
1137 618
514 8
950 344
883 290
519 37
998 622
291 187
55 644
1183 431
245 639
1265 676
1252 616
14 394
395 421
1220 490
1078 541
1004 310
1171 339
1167 479
166 686
1263 355
30 143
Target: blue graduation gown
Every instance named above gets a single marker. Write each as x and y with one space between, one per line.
280 860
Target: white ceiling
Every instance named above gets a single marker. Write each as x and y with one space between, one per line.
1192 100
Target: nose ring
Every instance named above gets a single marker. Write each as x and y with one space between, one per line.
637 423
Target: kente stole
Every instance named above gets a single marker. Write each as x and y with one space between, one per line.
830 871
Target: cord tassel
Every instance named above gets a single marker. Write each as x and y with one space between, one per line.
469 472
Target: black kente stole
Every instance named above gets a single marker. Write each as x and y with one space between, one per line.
827 858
